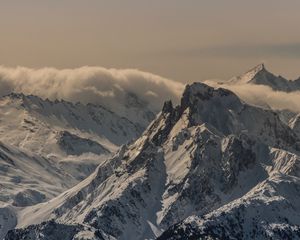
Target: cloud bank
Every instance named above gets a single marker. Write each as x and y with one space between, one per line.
262 95
109 87
98 85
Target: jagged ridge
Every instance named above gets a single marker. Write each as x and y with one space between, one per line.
261 76
206 153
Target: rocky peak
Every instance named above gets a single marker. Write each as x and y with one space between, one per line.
194 93
14 95
200 91
261 76
167 107
258 72
260 67
222 110
200 104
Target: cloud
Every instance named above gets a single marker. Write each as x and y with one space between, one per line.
108 87
98 85
262 95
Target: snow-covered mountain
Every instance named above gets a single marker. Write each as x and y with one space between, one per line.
38 125
210 167
268 211
66 133
260 87
47 147
261 76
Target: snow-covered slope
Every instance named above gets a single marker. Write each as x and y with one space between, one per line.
76 137
34 124
211 151
47 147
268 211
71 135
261 76
27 179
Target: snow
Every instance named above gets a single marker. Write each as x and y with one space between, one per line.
249 75
33 124
209 165
261 76
48 147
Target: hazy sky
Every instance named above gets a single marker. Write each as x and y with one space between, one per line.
185 40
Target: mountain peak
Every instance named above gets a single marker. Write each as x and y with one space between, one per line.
168 107
207 153
197 87
200 91
258 68
260 76
250 75
15 95
194 92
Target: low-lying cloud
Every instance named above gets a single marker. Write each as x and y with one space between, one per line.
108 87
97 85
262 95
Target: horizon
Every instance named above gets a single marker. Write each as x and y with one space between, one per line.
237 73
186 42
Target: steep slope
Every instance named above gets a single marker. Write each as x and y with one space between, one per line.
261 76
73 137
294 123
76 137
47 147
268 211
75 145
27 179
207 152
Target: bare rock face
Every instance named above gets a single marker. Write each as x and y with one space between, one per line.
294 123
211 168
75 145
28 197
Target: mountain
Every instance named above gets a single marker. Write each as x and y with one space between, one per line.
47 147
68 134
38 125
27 179
211 167
268 211
261 76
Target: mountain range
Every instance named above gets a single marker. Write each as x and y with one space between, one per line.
212 167
47 147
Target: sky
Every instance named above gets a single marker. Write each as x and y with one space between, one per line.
183 40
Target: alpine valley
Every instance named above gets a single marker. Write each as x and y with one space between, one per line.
212 167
